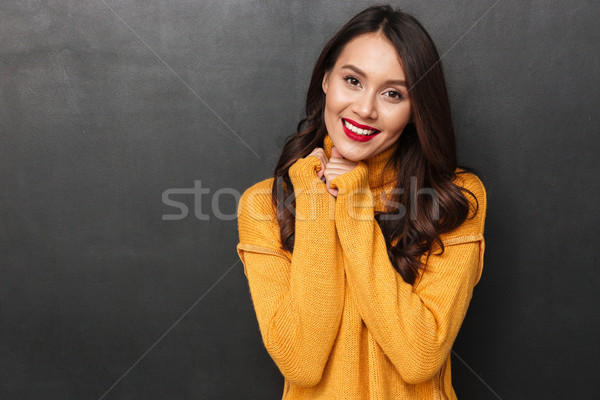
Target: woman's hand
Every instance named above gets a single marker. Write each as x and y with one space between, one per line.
333 167
336 166
320 154
330 168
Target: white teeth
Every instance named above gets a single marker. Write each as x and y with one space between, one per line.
358 131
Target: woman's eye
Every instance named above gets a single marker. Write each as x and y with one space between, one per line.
394 95
352 80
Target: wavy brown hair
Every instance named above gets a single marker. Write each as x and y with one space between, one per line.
426 151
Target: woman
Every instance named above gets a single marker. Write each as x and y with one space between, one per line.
361 253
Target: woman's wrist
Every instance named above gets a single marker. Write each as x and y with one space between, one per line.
303 173
313 201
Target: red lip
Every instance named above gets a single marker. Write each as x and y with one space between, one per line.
357 137
361 126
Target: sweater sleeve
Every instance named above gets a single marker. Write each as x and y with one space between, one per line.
414 325
298 298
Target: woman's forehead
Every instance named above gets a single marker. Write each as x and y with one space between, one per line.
372 54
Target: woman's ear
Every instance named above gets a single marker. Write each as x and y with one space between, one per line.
325 83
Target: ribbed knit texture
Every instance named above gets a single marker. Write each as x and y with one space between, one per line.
335 316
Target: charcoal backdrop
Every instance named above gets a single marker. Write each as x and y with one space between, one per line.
128 129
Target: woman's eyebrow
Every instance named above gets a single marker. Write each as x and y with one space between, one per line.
362 73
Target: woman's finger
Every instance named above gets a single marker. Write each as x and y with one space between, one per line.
334 192
320 154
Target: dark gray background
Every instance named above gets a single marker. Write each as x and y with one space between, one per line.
105 105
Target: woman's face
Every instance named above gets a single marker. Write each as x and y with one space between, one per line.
366 100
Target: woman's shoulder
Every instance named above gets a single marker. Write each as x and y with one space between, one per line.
469 181
476 194
262 186
256 201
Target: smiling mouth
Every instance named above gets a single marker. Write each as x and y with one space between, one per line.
359 129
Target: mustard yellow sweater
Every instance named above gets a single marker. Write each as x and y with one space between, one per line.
337 319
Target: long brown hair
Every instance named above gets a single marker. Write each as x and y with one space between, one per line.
426 150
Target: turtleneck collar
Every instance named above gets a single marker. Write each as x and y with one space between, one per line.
378 178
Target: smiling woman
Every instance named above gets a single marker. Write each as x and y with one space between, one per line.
363 249
359 87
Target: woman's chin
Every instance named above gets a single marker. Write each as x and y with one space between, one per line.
352 158
349 153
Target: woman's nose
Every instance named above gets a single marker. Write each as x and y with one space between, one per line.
365 106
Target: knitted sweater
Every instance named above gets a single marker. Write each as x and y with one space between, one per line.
335 316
